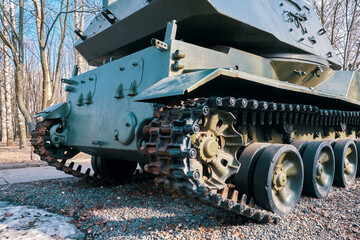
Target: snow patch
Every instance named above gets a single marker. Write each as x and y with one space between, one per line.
25 223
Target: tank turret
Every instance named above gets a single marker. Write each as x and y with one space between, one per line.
261 27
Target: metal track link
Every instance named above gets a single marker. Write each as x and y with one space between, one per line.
37 141
169 147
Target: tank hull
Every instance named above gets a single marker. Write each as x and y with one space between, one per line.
224 71
239 24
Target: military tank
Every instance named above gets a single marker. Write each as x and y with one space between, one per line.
238 104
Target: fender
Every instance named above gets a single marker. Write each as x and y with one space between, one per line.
181 85
54 112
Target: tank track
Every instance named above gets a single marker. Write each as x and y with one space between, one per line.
37 141
169 147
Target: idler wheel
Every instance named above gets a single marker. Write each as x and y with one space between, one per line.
61 152
248 159
113 169
346 160
319 169
278 178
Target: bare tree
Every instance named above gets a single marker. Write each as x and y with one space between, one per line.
15 44
43 39
341 19
8 94
2 101
79 24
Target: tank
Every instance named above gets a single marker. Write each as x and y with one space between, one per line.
238 104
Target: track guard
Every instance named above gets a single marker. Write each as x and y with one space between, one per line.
56 111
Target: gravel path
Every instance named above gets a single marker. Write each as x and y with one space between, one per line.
145 211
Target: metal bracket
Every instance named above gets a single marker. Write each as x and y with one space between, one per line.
80 34
159 45
171 30
108 15
57 137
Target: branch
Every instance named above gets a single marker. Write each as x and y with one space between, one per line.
57 17
11 46
13 28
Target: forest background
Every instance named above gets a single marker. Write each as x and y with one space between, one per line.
36 51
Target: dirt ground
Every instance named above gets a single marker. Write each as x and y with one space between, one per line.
10 155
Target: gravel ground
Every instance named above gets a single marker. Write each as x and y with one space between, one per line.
145 211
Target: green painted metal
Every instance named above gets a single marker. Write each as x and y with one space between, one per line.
257 26
53 112
343 83
107 107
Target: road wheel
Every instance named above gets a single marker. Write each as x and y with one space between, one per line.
346 160
113 169
319 169
278 178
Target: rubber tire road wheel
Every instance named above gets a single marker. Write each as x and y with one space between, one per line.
287 158
300 145
358 152
245 176
345 152
319 161
113 169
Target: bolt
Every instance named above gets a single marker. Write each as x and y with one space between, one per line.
206 110
219 198
196 175
196 128
192 153
179 54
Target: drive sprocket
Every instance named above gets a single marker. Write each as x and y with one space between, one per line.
216 143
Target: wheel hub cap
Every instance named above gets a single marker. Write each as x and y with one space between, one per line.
279 179
211 147
346 166
319 171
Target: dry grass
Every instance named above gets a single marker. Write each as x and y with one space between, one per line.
14 154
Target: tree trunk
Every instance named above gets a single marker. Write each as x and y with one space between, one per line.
8 95
3 109
20 95
79 22
40 25
63 26
22 130
8 100
19 86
